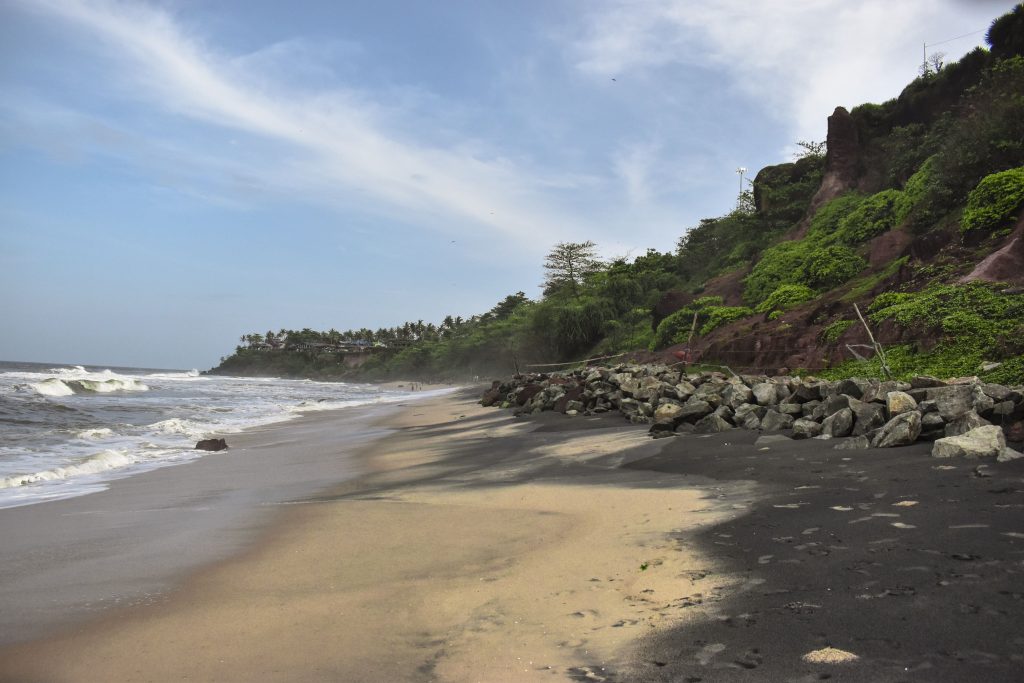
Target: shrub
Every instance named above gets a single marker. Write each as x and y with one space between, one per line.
785 297
995 202
828 267
825 223
871 217
673 329
720 315
778 265
832 333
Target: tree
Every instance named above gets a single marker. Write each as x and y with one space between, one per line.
567 266
810 149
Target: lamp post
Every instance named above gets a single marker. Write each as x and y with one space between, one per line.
741 170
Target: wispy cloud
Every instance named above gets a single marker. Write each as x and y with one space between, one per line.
800 59
335 143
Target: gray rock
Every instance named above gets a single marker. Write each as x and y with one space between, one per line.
837 402
765 393
931 422
711 424
927 406
1009 454
735 395
952 401
997 392
774 421
898 402
694 409
980 442
804 392
965 423
805 428
838 424
901 430
926 382
853 443
853 387
792 409
868 416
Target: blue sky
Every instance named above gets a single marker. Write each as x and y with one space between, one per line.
174 174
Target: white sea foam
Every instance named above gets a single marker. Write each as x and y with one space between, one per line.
52 387
98 433
106 386
94 464
191 374
177 425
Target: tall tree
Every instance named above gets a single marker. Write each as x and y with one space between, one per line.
568 264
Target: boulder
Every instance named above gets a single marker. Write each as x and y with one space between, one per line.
694 409
837 402
901 430
788 408
765 393
490 397
980 442
805 428
668 413
965 423
951 401
867 416
926 382
774 421
211 445
1009 454
898 402
837 424
853 387
735 395
711 424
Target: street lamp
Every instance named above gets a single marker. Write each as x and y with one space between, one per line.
741 170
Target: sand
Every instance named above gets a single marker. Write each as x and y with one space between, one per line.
480 547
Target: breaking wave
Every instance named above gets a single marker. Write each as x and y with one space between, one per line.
100 462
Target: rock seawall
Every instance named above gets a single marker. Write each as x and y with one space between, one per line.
964 417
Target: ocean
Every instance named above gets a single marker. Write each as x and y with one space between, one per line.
70 430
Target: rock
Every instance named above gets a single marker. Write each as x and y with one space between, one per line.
834 404
694 409
867 416
926 382
765 393
853 443
793 409
668 413
527 393
735 395
774 421
748 416
989 367
899 402
901 430
980 442
211 445
965 423
1009 454
807 392
998 392
490 397
951 401
1015 431
805 428
838 424
853 387
711 424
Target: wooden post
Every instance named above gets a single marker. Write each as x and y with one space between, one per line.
875 344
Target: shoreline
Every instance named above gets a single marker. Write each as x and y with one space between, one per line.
69 560
475 544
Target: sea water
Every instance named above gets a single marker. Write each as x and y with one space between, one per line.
69 430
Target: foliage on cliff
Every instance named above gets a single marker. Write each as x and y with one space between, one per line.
939 183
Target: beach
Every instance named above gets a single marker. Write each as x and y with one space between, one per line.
466 544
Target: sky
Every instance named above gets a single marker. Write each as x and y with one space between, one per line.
175 174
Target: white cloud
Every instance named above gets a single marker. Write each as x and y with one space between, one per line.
335 145
800 58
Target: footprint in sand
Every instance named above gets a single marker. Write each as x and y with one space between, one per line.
708 652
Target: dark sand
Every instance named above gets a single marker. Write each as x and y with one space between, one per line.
482 547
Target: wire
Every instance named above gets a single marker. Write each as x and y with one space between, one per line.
950 40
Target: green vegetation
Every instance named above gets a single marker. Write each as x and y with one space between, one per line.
995 202
945 157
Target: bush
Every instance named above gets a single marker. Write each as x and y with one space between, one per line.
831 266
995 202
785 297
826 221
673 329
720 315
871 217
832 333
778 265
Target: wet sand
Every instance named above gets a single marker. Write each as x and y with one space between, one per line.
479 547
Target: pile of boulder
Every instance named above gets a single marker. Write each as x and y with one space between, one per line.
964 417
